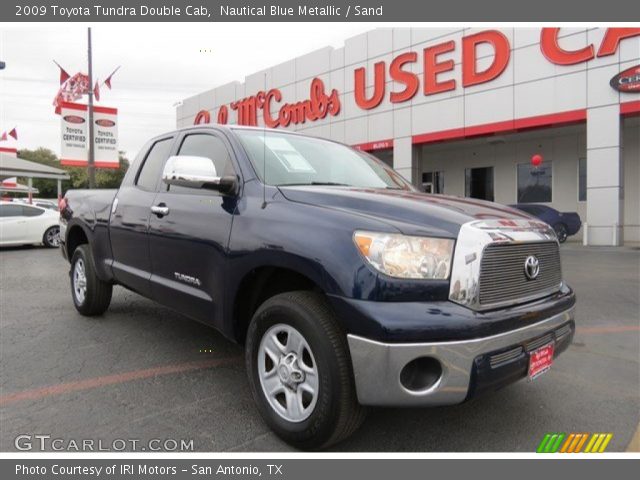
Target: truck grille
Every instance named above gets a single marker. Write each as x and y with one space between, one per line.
502 272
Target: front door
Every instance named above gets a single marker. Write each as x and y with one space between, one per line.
189 241
479 183
129 224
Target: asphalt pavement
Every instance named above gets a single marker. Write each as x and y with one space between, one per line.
143 372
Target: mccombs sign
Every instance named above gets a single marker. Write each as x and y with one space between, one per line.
433 61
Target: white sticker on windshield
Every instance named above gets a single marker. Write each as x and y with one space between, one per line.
289 157
294 162
278 143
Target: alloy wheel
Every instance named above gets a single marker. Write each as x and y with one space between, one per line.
288 372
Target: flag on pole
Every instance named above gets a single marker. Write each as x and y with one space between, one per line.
107 82
96 91
13 133
64 76
4 137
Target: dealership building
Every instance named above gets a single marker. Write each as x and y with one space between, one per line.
514 115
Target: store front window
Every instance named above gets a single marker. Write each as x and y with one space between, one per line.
534 183
433 182
478 183
386 155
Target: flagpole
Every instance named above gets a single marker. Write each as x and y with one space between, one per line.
91 166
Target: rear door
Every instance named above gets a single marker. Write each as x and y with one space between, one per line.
129 224
189 244
13 224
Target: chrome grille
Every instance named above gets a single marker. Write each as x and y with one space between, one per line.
562 332
539 342
504 357
502 274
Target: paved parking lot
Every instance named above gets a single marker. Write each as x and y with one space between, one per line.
144 372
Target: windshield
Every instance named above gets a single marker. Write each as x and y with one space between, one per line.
282 159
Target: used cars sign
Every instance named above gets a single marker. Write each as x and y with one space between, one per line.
627 81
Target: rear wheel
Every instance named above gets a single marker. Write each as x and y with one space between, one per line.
561 232
91 296
300 371
51 237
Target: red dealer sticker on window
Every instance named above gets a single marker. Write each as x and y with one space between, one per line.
540 360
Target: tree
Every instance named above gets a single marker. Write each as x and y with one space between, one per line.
105 178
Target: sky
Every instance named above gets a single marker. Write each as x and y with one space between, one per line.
161 64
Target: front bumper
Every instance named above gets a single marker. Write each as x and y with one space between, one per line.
468 367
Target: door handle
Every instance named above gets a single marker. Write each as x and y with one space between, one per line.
160 210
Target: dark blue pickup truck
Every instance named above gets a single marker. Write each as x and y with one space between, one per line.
347 286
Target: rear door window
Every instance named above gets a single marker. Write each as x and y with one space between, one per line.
31 211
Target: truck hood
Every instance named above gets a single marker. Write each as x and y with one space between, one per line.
411 212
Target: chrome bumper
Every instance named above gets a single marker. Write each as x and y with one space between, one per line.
377 366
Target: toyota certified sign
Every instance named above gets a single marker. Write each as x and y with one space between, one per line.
627 81
75 135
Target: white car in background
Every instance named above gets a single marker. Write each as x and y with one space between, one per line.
22 224
38 202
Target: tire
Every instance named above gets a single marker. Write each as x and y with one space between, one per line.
561 232
333 413
51 237
91 296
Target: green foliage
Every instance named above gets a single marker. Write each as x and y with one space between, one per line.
105 177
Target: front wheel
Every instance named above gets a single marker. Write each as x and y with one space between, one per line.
300 371
91 296
51 237
561 232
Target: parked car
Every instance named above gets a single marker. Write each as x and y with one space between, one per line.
22 224
565 224
38 202
347 287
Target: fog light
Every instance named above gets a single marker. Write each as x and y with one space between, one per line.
421 374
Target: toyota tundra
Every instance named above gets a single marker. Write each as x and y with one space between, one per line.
347 287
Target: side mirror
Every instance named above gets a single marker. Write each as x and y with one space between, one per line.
196 172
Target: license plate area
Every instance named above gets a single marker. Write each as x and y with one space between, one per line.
540 360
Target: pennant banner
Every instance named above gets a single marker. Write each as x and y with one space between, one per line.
107 82
64 76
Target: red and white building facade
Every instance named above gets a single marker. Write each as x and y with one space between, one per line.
463 111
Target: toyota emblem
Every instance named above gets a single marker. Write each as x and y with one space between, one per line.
531 267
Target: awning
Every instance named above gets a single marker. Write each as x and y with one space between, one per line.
18 167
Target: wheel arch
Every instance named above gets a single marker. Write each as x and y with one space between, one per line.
75 237
261 283
78 234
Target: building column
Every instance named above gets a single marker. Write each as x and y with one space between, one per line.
405 161
59 189
605 195
30 193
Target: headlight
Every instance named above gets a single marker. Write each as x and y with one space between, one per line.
403 256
